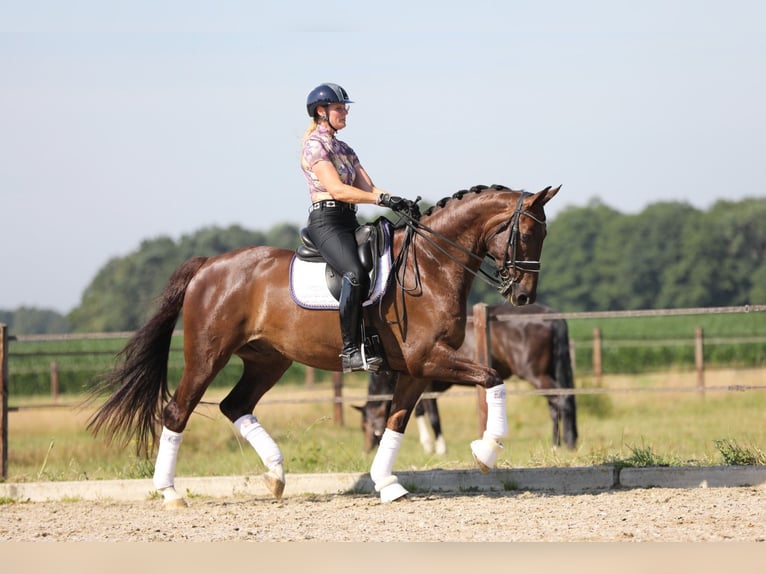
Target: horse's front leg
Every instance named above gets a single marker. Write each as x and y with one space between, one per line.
406 394
486 449
444 365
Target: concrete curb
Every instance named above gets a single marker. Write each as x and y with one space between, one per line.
549 480
693 477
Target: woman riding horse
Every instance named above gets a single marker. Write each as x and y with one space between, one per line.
240 303
337 182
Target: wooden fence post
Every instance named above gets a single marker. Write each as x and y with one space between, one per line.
337 387
483 356
4 408
597 365
699 358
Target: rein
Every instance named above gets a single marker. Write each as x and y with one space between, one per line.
504 276
510 264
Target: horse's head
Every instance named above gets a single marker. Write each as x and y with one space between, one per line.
374 417
515 242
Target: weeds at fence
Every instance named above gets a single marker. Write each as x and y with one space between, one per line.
735 454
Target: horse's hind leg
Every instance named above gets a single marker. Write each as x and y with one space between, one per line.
175 416
437 444
555 412
426 440
436 423
257 378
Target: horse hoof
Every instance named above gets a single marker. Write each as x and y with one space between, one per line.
441 446
485 453
171 499
275 481
393 492
174 504
276 486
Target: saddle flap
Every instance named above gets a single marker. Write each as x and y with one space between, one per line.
365 239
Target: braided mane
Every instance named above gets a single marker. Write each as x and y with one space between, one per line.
459 195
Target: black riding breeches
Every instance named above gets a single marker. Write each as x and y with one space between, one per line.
333 232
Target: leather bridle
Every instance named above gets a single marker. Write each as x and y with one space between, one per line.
506 274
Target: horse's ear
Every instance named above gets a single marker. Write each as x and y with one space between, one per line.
544 196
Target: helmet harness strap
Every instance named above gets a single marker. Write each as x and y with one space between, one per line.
326 118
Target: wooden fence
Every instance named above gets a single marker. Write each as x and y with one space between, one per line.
481 322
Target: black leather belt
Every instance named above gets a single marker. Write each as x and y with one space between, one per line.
332 204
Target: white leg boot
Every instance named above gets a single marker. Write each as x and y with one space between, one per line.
268 450
486 449
425 435
165 468
381 471
441 445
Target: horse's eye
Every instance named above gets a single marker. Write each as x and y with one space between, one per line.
525 237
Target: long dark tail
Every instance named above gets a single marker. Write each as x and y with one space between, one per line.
139 383
564 379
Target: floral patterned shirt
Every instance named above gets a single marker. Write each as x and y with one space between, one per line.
322 145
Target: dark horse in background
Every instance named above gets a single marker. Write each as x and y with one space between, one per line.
535 349
240 303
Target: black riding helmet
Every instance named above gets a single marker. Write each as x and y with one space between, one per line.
325 94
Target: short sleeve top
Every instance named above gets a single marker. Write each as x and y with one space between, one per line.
321 145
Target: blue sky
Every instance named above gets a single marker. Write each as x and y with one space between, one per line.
126 121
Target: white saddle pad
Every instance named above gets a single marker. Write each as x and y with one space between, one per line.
308 286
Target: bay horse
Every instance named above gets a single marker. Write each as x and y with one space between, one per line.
533 348
239 303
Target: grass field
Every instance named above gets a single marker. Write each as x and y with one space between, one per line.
622 427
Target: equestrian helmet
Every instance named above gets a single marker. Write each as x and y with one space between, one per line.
325 94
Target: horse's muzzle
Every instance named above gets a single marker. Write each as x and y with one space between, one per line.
519 294
521 300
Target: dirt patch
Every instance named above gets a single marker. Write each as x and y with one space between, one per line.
639 515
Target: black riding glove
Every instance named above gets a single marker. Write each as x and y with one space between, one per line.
396 203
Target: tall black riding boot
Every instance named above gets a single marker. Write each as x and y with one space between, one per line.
350 323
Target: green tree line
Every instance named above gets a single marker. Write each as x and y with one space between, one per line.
670 255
